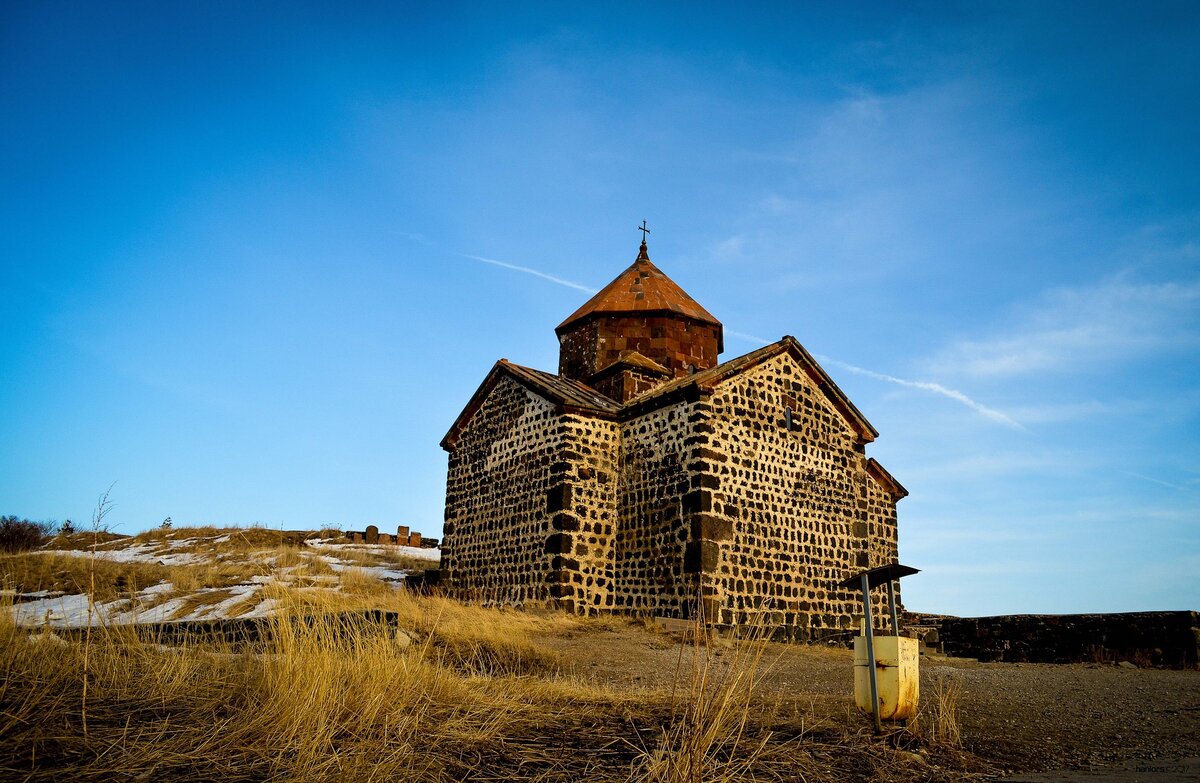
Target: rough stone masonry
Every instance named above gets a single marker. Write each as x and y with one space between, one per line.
645 477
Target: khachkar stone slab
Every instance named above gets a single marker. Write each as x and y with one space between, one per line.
672 487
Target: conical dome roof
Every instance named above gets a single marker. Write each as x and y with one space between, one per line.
642 288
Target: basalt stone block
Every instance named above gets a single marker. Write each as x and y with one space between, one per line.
701 556
565 522
559 544
707 526
560 563
558 498
697 501
372 534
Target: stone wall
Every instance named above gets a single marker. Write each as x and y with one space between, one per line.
799 511
497 529
582 503
675 342
627 383
1142 638
652 536
753 496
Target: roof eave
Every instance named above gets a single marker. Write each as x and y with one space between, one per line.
575 321
889 482
520 375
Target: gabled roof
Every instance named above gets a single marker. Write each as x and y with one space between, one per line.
894 488
576 397
705 380
571 395
642 288
631 360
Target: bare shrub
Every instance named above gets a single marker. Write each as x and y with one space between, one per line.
21 535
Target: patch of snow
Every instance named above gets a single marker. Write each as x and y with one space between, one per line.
66 611
264 609
220 610
137 553
387 574
416 552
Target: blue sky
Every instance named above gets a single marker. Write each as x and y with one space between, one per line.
243 253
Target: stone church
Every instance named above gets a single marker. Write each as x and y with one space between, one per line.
645 476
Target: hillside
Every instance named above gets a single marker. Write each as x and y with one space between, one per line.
349 676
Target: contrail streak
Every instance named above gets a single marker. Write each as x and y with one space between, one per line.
936 388
929 386
1151 478
533 272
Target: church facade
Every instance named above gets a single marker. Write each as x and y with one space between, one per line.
646 476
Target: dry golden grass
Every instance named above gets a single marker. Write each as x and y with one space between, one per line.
437 691
191 577
381 557
359 582
419 688
941 723
29 572
710 711
323 699
196 600
180 533
85 540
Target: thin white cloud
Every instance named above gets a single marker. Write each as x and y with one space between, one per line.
1073 328
929 386
529 271
750 338
1153 480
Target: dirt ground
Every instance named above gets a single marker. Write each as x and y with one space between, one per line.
1019 718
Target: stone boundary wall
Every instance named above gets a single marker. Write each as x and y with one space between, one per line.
1143 638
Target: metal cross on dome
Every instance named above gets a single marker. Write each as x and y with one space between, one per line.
644 231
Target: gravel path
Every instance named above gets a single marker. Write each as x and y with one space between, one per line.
1025 718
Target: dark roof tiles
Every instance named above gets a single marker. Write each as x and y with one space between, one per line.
580 397
642 288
